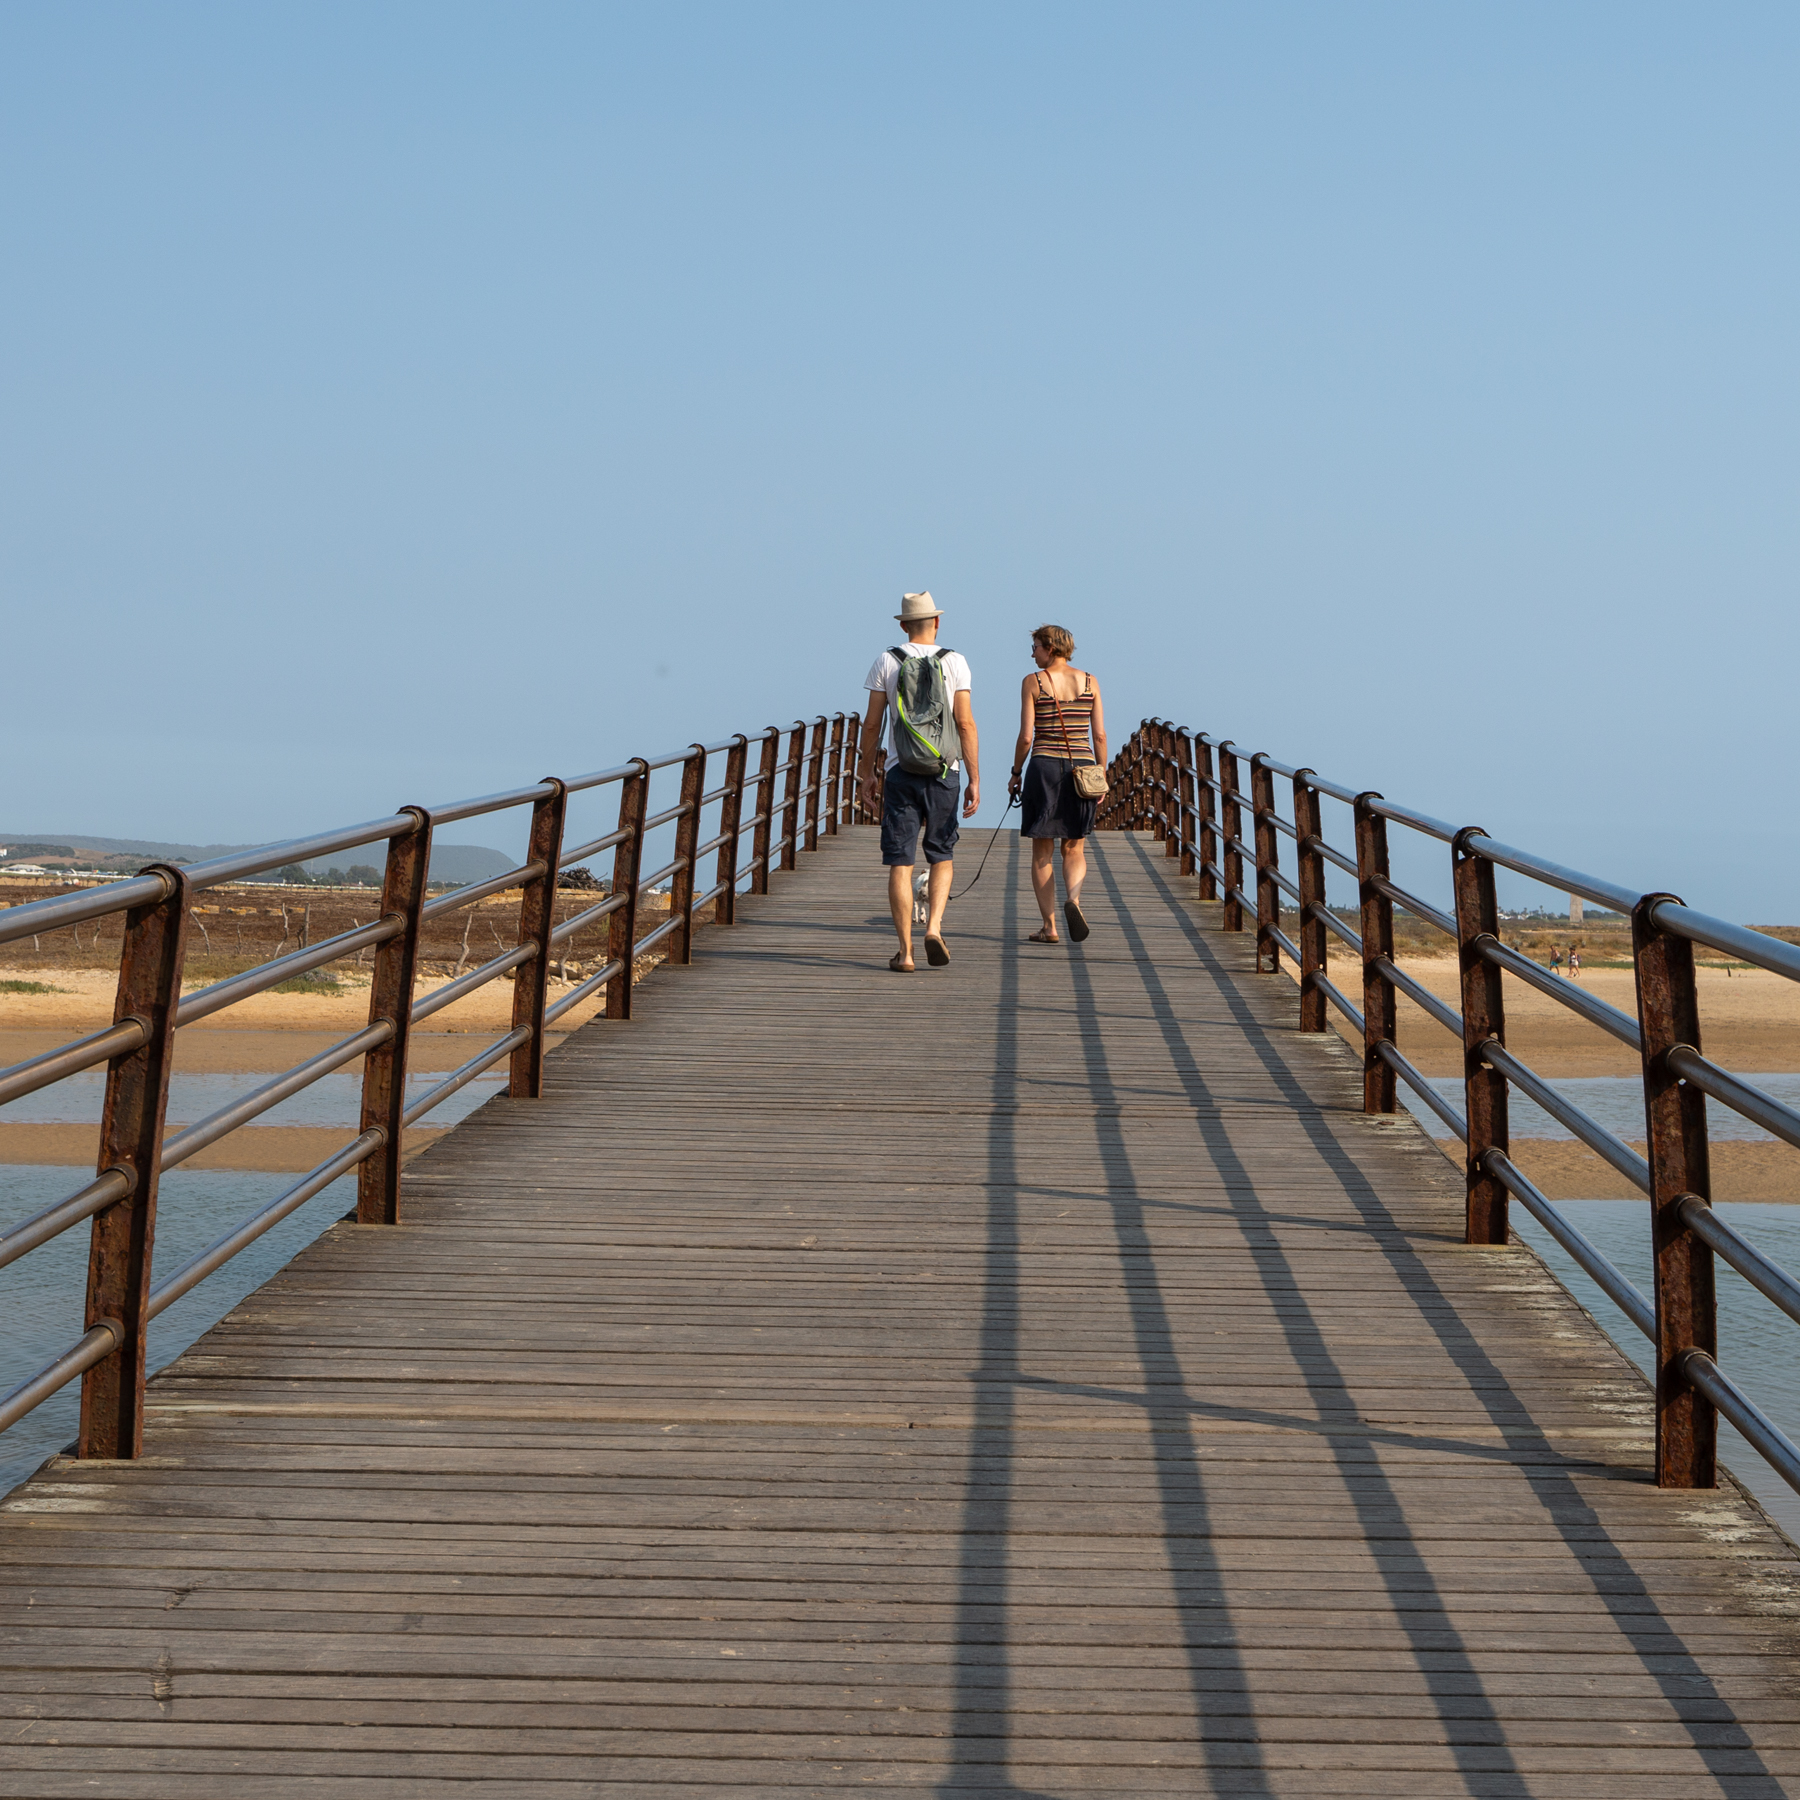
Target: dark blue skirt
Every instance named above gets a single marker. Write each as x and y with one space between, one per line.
1048 803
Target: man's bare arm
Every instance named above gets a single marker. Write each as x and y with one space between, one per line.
871 743
963 711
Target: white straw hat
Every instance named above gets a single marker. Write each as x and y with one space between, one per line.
914 607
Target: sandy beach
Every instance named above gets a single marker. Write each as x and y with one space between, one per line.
1750 1020
266 1034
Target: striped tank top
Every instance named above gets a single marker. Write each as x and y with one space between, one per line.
1047 735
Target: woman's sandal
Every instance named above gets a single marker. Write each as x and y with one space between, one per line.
1043 937
1078 926
900 963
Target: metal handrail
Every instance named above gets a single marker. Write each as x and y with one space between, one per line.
1761 1432
461 1077
1571 881
53 914
152 1009
1340 1001
1588 1129
1732 940
1321 848
40 1071
576 922
1611 1281
194 1138
581 991
1769 1278
1420 909
1404 815
1421 1086
1332 922
218 1253
458 898
488 803
1420 995
581 852
1152 779
1751 1102
452 991
1595 1010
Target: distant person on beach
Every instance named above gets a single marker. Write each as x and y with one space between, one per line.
1574 960
925 693
1061 726
1555 960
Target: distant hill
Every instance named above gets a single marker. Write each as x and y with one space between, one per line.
449 862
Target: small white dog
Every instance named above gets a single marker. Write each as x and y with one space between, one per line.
922 897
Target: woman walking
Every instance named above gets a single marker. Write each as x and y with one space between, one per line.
1061 727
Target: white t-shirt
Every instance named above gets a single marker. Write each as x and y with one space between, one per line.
884 678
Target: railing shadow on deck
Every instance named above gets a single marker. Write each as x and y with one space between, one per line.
1473 1727
1186 789
803 785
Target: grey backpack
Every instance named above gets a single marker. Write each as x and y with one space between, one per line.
925 736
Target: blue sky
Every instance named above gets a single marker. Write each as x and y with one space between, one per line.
400 401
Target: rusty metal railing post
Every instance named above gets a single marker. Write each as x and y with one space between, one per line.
687 835
853 769
1172 820
1380 1021
815 766
765 809
391 1000
1309 834
834 775
731 812
790 796
1232 862
1687 1426
628 859
537 915
1484 1021
122 1240
1185 811
1268 895
1208 833
1157 770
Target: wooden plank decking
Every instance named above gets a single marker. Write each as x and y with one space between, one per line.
1032 1378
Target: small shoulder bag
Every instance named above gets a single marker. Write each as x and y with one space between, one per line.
1090 778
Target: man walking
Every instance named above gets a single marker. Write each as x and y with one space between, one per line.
926 691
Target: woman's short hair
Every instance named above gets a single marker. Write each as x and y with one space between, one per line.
1054 639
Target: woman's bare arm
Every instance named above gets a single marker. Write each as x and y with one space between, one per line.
1099 726
1027 719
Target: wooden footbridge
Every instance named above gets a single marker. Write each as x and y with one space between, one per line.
1041 1376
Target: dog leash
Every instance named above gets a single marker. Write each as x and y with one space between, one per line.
1012 800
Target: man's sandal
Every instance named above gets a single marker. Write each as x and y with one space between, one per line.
900 963
1043 937
937 953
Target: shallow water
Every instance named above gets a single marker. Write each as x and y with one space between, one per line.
333 1099
1615 1101
1759 1345
42 1294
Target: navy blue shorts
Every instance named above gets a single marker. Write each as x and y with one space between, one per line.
914 802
